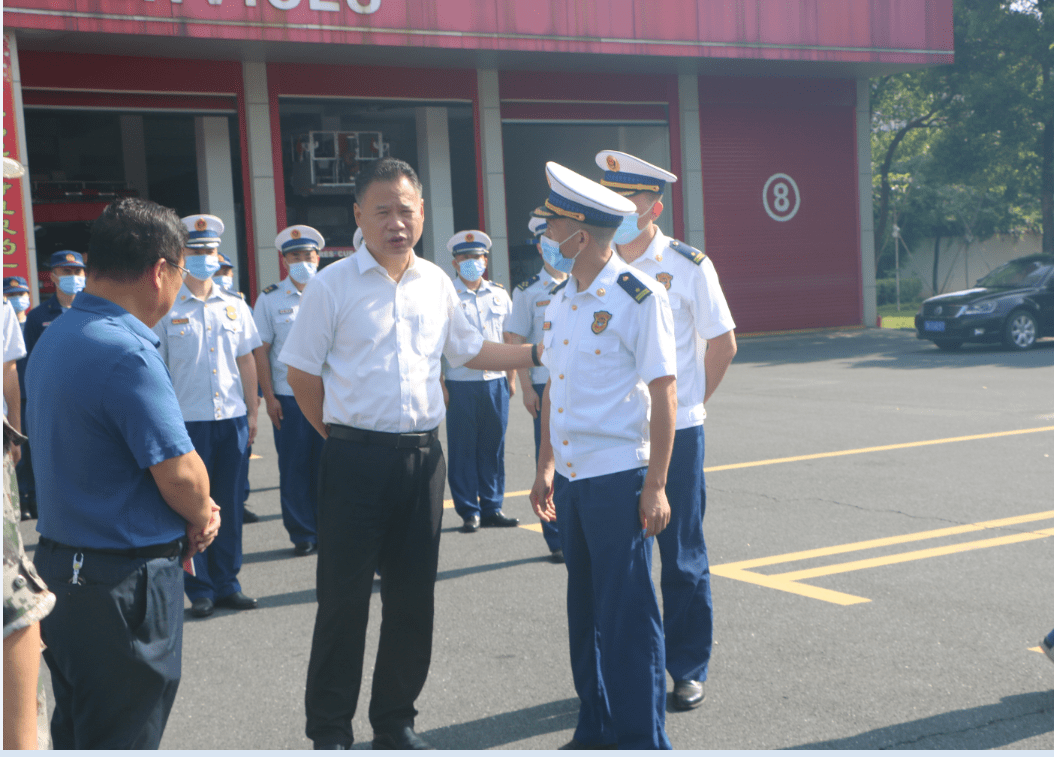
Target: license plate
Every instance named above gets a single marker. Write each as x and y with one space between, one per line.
934 326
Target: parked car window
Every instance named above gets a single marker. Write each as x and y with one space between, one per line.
1017 273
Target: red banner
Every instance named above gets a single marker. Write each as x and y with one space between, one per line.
16 247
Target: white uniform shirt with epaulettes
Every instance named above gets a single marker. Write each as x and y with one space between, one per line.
201 341
487 309
529 300
603 346
276 310
700 312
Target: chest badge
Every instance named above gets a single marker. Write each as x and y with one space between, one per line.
232 312
541 303
600 321
664 279
546 325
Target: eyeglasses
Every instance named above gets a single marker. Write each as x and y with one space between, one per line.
183 272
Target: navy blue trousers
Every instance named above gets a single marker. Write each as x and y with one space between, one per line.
687 608
615 630
475 430
221 445
299 454
550 531
114 647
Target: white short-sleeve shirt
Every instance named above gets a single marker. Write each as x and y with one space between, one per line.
276 309
377 343
201 341
487 309
529 301
700 312
14 344
603 346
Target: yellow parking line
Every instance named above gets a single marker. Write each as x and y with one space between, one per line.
789 581
884 448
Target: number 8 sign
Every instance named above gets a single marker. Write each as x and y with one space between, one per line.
781 197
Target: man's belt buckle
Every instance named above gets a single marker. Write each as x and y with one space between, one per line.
412 441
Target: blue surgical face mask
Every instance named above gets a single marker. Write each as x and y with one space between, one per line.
224 281
627 230
19 303
302 271
71 284
471 269
202 266
551 254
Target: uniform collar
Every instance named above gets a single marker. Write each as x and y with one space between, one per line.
217 293
657 250
460 286
288 286
604 283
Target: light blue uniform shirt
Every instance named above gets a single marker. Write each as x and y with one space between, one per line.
274 315
529 301
486 309
201 341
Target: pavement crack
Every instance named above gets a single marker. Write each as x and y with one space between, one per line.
968 729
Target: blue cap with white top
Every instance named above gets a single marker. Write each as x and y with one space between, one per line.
299 237
204 231
572 195
629 175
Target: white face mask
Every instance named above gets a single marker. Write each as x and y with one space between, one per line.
302 271
19 303
224 281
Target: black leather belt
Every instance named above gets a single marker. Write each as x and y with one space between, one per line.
172 549
382 439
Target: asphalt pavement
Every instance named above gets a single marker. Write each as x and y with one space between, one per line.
879 522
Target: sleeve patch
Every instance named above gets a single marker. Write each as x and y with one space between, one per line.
694 255
633 287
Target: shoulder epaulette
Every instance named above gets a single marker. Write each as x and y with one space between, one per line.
696 256
559 286
633 287
524 284
240 295
269 289
498 284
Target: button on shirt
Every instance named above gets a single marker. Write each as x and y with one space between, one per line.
528 314
201 341
274 315
102 410
487 309
699 313
376 342
602 350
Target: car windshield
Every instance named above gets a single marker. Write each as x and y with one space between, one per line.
1017 273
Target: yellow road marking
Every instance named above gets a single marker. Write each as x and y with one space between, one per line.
884 448
789 581
1036 649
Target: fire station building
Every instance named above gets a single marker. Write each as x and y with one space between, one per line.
262 111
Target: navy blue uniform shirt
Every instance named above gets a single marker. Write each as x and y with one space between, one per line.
102 410
38 319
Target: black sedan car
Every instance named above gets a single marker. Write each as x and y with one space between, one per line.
1014 304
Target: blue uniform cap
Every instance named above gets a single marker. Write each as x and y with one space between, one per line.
15 285
629 175
204 231
572 195
473 240
66 258
225 262
299 237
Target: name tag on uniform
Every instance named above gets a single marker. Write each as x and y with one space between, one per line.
180 321
546 325
541 303
286 311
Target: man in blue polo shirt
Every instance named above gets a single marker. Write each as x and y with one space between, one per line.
127 496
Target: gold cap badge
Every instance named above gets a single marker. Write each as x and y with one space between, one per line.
612 163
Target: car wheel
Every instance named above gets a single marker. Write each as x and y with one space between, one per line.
1020 330
948 345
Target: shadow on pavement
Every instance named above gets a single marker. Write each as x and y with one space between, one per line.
883 348
445 575
990 726
508 727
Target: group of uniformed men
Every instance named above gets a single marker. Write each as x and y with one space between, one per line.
617 342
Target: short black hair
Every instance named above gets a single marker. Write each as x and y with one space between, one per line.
385 169
131 235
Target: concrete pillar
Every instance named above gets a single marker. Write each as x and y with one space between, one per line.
494 212
433 161
867 217
133 148
216 181
261 170
691 179
23 155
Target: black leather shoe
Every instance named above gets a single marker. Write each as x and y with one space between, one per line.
400 738
202 608
687 695
471 525
319 745
304 548
498 520
576 744
237 601
556 556
248 516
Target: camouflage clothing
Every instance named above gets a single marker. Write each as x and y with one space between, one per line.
26 597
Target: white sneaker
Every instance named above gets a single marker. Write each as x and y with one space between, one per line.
1047 649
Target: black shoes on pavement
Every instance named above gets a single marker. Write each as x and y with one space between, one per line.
304 548
498 520
204 607
400 738
471 525
687 695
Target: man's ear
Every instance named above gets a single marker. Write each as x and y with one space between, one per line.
656 210
157 273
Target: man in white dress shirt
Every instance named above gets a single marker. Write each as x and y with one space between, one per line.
364 366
